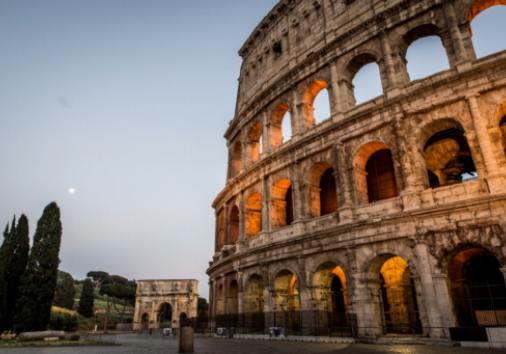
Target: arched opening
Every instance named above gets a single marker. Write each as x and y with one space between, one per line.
316 104
233 221
254 304
184 320
374 173
488 26
253 215
232 304
398 297
281 125
281 204
220 300
165 315
221 230
502 126
254 142
144 321
235 159
424 45
287 302
477 288
331 296
447 155
365 79
322 190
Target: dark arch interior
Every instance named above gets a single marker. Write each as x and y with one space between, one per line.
381 176
328 198
502 126
165 315
289 206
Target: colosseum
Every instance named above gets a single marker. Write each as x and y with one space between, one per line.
387 216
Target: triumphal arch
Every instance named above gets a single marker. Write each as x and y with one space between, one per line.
165 303
389 214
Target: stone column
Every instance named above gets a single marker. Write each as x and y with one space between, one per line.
343 185
395 70
459 47
242 215
429 294
297 115
337 98
496 178
266 141
266 214
444 302
366 305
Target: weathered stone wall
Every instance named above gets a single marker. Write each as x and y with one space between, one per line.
302 47
151 295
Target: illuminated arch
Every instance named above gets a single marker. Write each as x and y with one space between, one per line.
281 203
308 102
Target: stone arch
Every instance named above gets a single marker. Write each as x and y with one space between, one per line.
233 297
145 321
308 99
254 303
235 158
390 278
477 287
254 141
220 242
478 6
233 222
353 67
286 299
322 191
253 214
280 117
281 203
164 315
425 31
220 299
447 153
374 173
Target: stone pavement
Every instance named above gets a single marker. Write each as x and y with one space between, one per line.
134 343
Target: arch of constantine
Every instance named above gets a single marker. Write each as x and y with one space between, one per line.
389 215
164 303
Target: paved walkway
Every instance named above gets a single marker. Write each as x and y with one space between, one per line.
133 343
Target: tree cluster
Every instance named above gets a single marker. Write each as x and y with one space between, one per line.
28 277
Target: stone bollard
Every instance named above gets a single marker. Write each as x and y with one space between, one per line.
186 340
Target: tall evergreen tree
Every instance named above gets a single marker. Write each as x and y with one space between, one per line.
86 301
38 283
65 291
5 256
18 257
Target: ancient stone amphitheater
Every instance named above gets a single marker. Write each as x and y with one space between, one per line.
387 217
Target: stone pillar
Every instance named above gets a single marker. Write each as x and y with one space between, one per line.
337 100
496 178
459 47
366 304
266 219
344 186
444 302
242 215
394 69
266 141
429 294
297 115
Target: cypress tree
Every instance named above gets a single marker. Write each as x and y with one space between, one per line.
5 252
38 283
18 257
87 299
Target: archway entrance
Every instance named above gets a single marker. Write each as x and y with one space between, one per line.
398 297
254 305
287 302
165 315
145 322
477 288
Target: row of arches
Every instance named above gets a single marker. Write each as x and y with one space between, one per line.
163 317
364 77
447 160
476 288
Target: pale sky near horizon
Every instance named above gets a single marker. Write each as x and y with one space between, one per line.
116 110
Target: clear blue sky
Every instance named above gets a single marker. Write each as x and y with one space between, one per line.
126 102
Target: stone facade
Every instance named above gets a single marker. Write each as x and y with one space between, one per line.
163 303
388 201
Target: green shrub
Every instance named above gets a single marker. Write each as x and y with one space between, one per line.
63 322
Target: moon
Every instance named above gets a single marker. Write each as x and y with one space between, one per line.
71 190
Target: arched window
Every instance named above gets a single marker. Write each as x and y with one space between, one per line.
374 173
488 24
322 194
233 221
380 176
281 204
316 103
328 196
253 219
367 83
221 230
502 126
235 158
281 125
254 142
447 155
424 46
